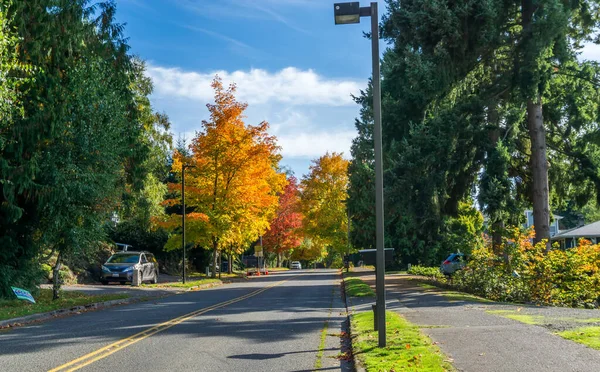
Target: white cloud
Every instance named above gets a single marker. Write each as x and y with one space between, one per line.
289 85
590 52
308 113
311 145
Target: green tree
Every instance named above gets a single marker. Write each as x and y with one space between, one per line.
75 143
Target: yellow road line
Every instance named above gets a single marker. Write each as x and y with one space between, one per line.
121 344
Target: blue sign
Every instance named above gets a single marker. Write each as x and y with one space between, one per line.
23 294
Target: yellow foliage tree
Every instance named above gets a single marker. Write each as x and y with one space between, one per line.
233 187
324 192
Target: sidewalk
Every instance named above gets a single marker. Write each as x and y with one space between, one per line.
478 341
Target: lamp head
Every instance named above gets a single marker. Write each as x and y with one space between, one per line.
346 13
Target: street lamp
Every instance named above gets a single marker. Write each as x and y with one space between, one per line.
183 168
347 13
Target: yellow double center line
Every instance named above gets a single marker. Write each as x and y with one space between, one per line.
121 344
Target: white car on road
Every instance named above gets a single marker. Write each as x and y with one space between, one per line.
295 265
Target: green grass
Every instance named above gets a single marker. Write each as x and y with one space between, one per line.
523 318
16 308
460 296
580 320
188 284
394 272
278 269
589 336
454 295
357 288
319 362
224 275
407 348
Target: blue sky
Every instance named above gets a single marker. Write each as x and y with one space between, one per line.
294 67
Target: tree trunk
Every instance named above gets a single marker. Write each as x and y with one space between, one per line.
56 277
215 257
494 136
278 259
230 263
220 263
539 172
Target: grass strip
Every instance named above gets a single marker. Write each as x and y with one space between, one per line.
17 308
454 295
588 336
395 272
355 287
523 318
407 348
319 362
188 284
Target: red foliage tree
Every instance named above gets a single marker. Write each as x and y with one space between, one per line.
284 234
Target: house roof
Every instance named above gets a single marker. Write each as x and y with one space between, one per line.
591 230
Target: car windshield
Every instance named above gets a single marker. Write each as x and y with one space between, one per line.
124 258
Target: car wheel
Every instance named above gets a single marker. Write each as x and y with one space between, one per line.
104 282
155 279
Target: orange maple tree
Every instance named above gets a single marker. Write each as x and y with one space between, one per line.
232 189
284 234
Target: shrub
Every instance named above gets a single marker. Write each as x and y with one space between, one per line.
430 272
523 272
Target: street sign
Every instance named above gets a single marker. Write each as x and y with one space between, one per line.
23 294
258 249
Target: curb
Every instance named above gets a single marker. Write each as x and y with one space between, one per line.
357 365
41 317
203 286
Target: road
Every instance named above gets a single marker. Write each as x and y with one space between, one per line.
272 323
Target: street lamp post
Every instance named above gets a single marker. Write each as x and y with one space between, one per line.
346 13
183 168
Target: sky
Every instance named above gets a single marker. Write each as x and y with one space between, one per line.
291 64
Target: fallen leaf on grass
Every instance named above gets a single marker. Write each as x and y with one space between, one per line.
407 346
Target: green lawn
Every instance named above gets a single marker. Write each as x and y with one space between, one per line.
520 317
17 308
395 272
407 348
224 275
454 295
357 288
589 336
188 284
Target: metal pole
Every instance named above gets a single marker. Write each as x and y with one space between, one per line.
183 217
379 232
348 253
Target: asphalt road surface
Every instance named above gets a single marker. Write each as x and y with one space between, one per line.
285 322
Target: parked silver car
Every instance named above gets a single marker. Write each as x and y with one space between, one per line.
454 262
296 265
120 267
